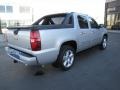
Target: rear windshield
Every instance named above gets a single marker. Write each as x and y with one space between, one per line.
51 20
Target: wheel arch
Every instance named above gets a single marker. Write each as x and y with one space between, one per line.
71 43
106 35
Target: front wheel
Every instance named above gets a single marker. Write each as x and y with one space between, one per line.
103 44
66 57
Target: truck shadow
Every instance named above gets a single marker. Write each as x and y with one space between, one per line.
82 58
83 55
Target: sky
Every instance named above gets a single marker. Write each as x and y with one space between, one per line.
93 8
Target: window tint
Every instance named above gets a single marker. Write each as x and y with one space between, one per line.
70 21
93 23
83 23
57 20
52 21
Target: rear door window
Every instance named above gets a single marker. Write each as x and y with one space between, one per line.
57 20
83 23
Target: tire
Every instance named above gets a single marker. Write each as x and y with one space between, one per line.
103 44
66 57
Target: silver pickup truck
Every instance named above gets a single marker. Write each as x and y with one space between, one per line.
55 39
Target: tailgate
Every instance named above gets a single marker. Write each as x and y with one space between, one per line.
19 38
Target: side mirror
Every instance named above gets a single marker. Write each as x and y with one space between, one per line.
101 26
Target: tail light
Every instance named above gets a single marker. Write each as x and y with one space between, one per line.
35 40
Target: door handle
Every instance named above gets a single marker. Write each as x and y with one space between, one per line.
82 33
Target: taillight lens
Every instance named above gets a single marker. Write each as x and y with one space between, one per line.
35 40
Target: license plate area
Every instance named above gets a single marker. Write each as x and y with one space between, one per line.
14 53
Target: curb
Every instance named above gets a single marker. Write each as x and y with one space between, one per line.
2 41
114 31
2 44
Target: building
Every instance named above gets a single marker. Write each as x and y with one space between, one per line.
112 14
12 14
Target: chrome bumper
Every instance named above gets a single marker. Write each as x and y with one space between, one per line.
21 56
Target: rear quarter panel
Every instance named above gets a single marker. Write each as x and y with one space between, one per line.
54 38
51 41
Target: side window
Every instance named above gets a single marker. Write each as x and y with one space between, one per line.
83 23
45 21
70 21
93 23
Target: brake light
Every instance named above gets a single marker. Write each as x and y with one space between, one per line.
35 40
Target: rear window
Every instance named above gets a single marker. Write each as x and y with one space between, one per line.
58 20
51 20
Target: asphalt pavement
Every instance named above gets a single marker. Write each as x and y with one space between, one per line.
93 70
2 40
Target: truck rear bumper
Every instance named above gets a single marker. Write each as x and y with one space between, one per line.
22 57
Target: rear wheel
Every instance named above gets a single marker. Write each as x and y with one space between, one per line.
66 57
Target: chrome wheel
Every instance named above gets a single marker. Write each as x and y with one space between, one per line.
68 58
104 43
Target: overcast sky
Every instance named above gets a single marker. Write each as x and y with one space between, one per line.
94 8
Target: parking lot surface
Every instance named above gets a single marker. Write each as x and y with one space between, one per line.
93 70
